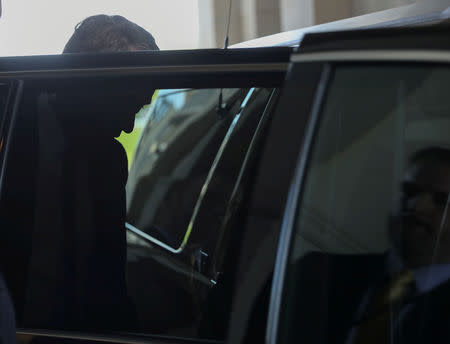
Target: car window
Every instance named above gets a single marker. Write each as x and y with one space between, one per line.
5 102
180 140
369 255
187 165
4 91
66 203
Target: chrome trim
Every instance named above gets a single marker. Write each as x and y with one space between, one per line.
144 235
440 56
119 338
83 337
290 211
173 265
270 103
249 67
214 166
17 97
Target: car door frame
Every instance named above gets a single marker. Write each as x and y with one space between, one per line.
199 69
286 134
331 59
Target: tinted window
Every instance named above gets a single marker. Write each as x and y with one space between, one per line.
369 258
72 265
63 205
186 168
4 91
5 98
179 143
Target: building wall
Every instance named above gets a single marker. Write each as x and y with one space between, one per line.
256 18
296 14
369 6
326 10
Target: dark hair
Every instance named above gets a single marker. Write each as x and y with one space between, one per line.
103 33
431 153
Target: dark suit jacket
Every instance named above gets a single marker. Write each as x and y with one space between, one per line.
323 295
420 318
428 319
100 237
78 273
327 294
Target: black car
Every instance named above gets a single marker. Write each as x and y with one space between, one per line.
259 198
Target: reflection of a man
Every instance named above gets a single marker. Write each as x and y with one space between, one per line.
420 228
412 304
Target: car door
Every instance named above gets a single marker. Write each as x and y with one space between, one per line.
185 173
73 271
375 149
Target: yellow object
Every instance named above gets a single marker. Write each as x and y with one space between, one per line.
376 328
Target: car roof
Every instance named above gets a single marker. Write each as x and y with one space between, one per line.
415 14
141 59
423 37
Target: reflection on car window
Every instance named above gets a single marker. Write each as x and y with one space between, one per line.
187 168
179 143
370 256
68 259
4 91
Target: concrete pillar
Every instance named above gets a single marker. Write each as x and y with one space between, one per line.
206 24
360 7
268 21
296 14
213 16
249 21
328 11
260 18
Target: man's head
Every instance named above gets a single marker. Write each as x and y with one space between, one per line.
420 226
103 33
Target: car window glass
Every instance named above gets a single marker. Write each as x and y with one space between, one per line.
369 257
186 167
5 101
76 267
181 137
4 91
212 207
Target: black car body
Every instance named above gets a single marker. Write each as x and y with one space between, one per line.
249 160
